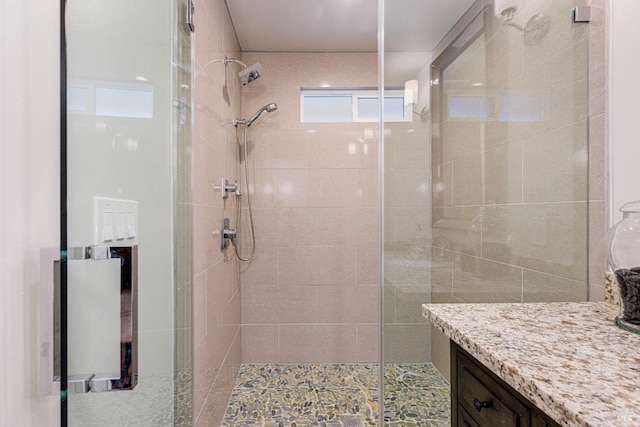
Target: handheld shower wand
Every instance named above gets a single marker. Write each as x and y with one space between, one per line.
269 108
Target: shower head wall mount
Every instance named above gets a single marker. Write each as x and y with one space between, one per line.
248 73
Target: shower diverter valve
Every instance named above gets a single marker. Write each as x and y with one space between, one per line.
226 233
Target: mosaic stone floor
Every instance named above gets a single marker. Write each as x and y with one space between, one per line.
273 395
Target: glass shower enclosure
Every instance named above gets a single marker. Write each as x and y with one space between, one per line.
127 215
486 189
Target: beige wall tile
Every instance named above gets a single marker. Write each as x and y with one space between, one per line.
526 236
396 343
264 188
368 264
412 148
206 250
407 266
389 311
259 343
413 225
216 297
285 226
475 280
440 355
281 148
231 318
296 188
462 139
317 195
555 165
441 275
597 251
467 181
503 174
345 146
334 265
350 304
540 287
318 343
409 300
262 270
407 187
368 343
597 67
348 226
262 305
597 139
199 308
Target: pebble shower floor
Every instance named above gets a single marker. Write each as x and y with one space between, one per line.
305 395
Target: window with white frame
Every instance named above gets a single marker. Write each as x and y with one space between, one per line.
347 105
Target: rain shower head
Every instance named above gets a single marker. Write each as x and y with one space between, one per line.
269 108
248 74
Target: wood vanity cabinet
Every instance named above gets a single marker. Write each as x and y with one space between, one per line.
480 399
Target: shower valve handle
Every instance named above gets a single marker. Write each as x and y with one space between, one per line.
227 188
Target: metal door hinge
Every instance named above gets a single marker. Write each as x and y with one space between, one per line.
582 14
188 21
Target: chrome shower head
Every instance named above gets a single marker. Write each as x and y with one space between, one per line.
269 108
248 74
251 73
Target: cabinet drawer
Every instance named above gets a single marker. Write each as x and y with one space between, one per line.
486 401
464 419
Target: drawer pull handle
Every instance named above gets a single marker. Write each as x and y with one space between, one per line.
479 405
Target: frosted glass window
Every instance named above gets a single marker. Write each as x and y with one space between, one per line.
470 107
393 108
327 108
521 108
368 108
124 102
349 105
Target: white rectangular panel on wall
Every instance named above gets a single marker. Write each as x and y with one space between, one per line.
93 316
115 222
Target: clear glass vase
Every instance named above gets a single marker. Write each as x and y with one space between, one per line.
623 254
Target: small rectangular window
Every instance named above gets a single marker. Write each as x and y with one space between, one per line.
327 108
351 105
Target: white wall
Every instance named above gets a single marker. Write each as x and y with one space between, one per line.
29 196
624 99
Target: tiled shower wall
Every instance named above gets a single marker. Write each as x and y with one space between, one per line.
407 217
527 223
216 296
311 293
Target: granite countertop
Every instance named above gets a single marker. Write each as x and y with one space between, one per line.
569 359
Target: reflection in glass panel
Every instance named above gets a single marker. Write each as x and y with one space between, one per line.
505 132
124 102
470 107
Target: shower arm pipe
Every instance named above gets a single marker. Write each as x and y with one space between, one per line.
226 60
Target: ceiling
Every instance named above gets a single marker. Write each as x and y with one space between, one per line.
342 25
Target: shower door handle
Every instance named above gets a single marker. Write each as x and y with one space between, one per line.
93 302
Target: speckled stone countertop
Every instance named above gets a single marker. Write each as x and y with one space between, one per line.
569 359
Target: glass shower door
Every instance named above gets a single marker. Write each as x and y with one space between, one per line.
497 157
123 363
